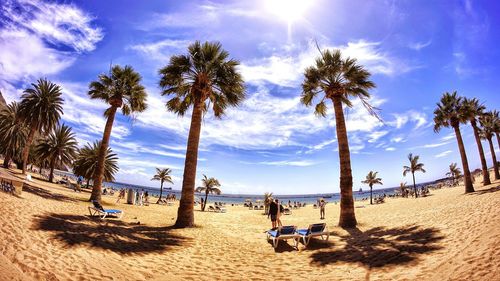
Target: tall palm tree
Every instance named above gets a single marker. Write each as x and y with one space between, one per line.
454 173
40 109
338 80
370 180
414 167
121 89
58 148
496 118
210 185
162 175
268 197
13 133
473 110
204 77
402 188
450 113
487 121
85 164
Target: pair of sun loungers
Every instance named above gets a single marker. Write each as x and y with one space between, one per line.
98 210
217 209
291 232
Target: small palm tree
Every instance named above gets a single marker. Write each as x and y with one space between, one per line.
40 110
202 78
473 110
268 197
210 185
403 188
338 80
450 112
487 121
162 175
370 180
13 133
85 164
58 148
414 167
121 89
454 173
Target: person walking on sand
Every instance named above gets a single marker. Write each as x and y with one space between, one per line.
273 213
121 195
280 211
322 204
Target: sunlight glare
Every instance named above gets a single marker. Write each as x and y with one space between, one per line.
288 10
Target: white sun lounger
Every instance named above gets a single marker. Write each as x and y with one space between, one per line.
98 210
283 233
317 229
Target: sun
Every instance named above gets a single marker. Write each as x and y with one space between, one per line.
288 10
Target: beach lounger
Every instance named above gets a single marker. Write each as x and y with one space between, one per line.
317 229
98 210
220 209
287 211
283 233
211 208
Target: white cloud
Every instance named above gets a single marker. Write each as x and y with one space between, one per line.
390 149
443 154
376 135
448 137
433 145
398 139
161 51
296 163
419 45
401 119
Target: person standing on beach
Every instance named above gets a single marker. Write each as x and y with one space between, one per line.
280 211
322 204
273 213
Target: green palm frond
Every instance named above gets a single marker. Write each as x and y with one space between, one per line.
163 175
415 166
209 185
450 112
59 147
372 179
85 164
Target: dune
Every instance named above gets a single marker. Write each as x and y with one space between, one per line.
46 234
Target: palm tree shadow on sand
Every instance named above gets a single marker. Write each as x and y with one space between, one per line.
379 247
113 235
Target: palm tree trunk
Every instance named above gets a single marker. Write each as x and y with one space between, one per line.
185 215
99 173
205 203
52 165
484 166
347 216
465 164
498 139
6 160
27 146
414 185
495 163
88 183
161 191
371 194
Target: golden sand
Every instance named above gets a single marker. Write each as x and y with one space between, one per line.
46 234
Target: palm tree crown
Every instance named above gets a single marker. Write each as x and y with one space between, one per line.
413 168
13 132
58 148
449 112
205 74
454 172
371 179
85 163
488 122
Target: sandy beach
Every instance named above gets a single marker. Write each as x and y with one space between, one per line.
46 234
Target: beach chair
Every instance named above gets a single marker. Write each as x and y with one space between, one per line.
317 229
287 211
284 233
211 208
98 210
219 209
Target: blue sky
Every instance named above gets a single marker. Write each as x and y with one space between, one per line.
416 50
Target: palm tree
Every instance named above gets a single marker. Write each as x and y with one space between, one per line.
162 175
40 109
414 167
58 148
370 180
13 133
454 173
268 197
473 110
85 164
121 89
339 80
210 185
487 121
496 126
203 77
450 113
403 188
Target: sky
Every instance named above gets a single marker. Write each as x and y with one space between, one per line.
415 51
